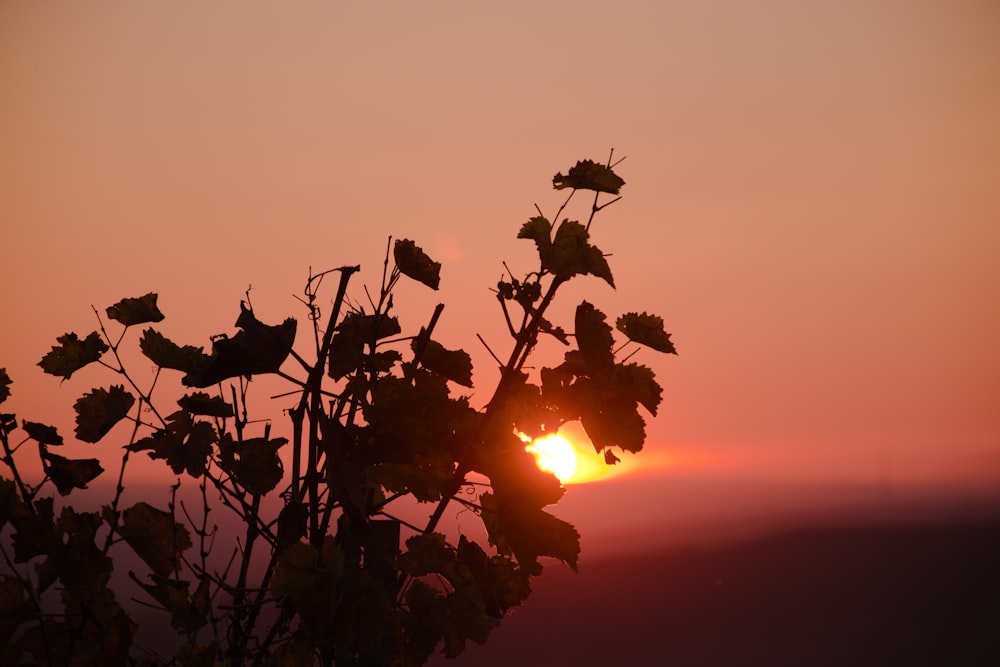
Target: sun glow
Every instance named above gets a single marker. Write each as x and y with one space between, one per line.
554 454
558 455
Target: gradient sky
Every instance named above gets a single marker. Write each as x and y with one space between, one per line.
812 202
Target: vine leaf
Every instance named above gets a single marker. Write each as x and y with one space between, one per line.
138 310
4 385
647 330
589 175
614 421
43 434
72 354
258 466
15 607
69 474
593 337
539 230
188 612
569 254
167 354
355 331
154 536
528 533
200 403
573 255
414 263
258 348
639 384
98 411
456 365
185 444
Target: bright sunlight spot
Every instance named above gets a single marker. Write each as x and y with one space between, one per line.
554 454
558 454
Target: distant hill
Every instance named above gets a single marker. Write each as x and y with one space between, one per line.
879 595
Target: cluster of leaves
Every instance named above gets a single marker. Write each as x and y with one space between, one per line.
336 577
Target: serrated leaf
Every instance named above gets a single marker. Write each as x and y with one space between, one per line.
593 338
354 333
589 175
456 365
572 254
426 553
41 433
35 533
539 230
200 403
502 583
69 474
258 348
614 422
529 533
414 263
254 463
167 354
154 536
637 383
185 444
188 613
647 330
139 310
4 385
72 354
98 411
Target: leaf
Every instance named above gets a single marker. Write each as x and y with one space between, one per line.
139 310
588 175
593 338
573 255
154 536
4 385
15 607
414 263
44 435
185 444
614 422
167 354
529 533
258 348
200 403
35 533
456 365
539 230
72 354
98 411
503 585
637 383
354 333
647 330
188 613
296 572
258 467
69 474
425 553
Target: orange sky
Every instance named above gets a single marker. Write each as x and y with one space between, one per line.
812 199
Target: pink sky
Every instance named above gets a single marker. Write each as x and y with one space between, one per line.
812 201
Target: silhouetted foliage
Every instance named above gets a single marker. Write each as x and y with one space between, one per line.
333 575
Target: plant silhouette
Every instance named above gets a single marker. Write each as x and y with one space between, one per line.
334 575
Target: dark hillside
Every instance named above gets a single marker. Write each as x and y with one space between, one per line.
875 595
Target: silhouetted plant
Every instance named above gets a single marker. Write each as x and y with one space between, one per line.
333 575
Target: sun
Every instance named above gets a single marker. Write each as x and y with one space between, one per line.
554 454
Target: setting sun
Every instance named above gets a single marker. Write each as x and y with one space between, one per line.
554 454
557 454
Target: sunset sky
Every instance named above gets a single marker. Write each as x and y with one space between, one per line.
812 204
